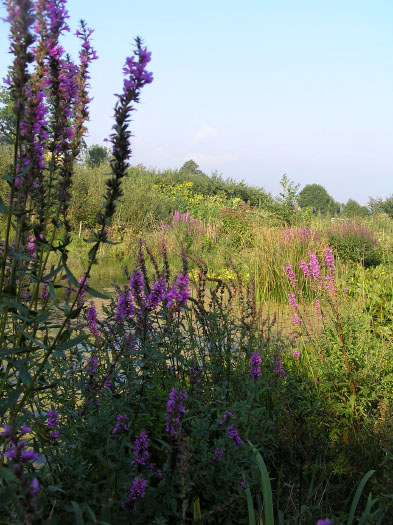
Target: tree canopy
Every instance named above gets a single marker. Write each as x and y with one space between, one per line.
316 197
354 209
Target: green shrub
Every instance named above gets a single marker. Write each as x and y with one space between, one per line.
356 243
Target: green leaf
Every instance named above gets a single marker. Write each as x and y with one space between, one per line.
197 509
23 372
70 275
52 292
78 513
72 343
358 493
97 294
12 351
91 514
15 305
3 207
266 488
92 254
53 273
42 318
10 401
35 341
7 474
250 506
72 314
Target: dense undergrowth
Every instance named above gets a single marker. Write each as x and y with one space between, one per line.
183 400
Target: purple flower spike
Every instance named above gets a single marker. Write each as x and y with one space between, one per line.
218 454
290 274
195 373
174 411
234 435
141 449
179 292
292 301
226 416
35 487
329 260
91 315
314 266
157 293
255 365
137 492
121 424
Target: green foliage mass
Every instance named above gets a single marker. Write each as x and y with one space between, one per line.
7 117
356 243
354 209
316 197
380 205
96 155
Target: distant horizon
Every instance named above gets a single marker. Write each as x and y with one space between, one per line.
252 91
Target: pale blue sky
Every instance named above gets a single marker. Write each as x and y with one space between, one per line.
253 89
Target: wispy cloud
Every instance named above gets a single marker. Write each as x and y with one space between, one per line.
204 133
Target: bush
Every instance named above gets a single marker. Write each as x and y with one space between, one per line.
356 243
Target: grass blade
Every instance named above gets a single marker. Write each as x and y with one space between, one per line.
358 493
266 488
250 506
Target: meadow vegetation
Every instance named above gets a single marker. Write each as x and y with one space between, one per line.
238 365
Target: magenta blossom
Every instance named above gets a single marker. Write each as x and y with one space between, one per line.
255 365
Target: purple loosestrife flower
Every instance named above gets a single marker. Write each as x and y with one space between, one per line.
121 424
141 449
137 492
234 435
330 284
305 269
317 306
255 365
278 369
296 354
227 415
124 307
329 260
324 522
195 373
218 454
91 366
81 112
137 287
179 292
44 292
136 77
135 70
292 301
291 275
108 383
35 487
314 266
157 293
174 411
21 458
68 290
83 291
91 315
53 422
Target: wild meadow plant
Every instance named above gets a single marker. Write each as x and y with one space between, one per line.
50 95
337 348
146 413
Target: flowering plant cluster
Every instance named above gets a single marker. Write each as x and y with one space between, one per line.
145 412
